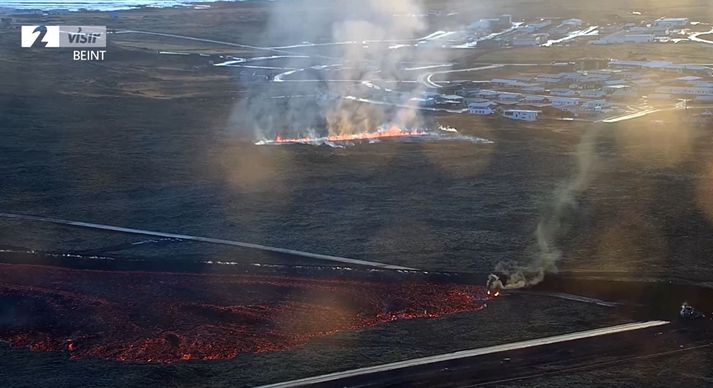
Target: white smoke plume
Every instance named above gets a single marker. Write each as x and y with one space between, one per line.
360 37
553 224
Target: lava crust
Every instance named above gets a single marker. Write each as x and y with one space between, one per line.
167 317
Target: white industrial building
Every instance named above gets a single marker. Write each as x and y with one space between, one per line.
486 111
671 22
483 108
449 99
657 31
563 101
535 99
549 78
509 97
625 37
563 92
519 114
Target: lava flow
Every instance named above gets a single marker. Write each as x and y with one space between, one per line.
167 317
391 132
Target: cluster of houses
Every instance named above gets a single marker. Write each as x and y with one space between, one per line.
525 97
660 30
665 81
502 32
580 93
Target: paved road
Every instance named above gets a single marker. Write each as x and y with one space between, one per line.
426 80
88 225
630 116
695 37
376 102
646 112
213 41
529 359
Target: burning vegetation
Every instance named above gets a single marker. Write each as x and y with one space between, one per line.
384 133
169 317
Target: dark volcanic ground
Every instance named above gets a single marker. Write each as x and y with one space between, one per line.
453 206
104 147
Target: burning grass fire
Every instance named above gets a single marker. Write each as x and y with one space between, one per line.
168 317
391 132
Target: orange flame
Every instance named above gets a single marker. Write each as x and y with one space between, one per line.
391 132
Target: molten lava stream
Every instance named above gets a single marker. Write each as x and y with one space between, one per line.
168 317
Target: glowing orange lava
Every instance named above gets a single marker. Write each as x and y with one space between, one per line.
171 317
390 132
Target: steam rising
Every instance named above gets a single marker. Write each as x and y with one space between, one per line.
347 46
351 47
552 225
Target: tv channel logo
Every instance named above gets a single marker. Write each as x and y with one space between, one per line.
40 36
63 36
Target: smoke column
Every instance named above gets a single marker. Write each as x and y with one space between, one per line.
374 42
553 224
